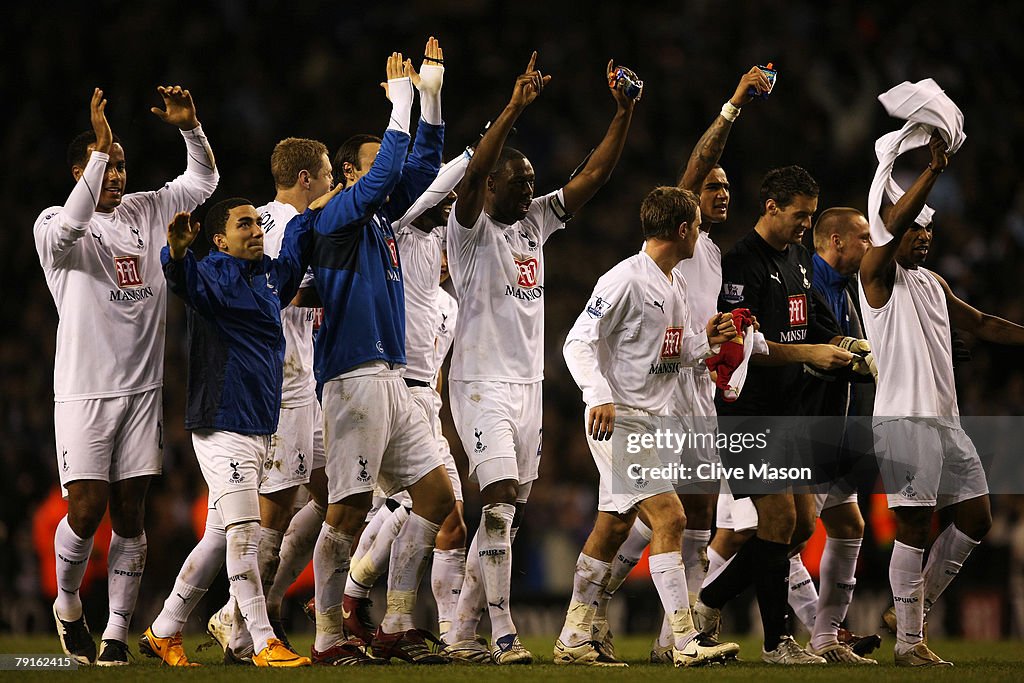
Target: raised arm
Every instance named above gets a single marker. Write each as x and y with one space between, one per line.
709 148
56 233
599 168
355 204
474 184
422 165
878 270
991 328
180 267
199 181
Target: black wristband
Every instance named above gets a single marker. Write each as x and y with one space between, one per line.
936 171
432 59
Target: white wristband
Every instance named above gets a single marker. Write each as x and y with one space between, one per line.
730 112
400 92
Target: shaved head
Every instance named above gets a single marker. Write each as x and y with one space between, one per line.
839 220
842 237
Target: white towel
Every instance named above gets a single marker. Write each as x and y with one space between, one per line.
926 108
753 342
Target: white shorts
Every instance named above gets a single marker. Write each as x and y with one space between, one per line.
291 449
374 435
109 439
617 491
430 401
230 463
832 496
697 395
926 464
735 515
500 427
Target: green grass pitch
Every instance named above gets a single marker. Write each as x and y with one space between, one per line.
975 661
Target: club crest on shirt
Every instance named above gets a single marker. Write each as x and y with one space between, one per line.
532 244
363 475
138 236
527 269
732 292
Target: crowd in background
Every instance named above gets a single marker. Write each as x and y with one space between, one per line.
259 72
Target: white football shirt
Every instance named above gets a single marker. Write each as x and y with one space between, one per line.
703 276
299 387
632 340
910 338
447 321
498 272
107 282
421 267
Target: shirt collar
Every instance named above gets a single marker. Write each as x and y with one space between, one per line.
828 276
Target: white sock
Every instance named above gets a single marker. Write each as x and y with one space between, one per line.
803 596
470 606
200 569
374 561
945 558
369 535
669 578
409 556
907 582
268 555
838 566
240 640
126 559
588 583
72 555
296 552
716 565
244 578
330 568
447 573
629 554
695 558
495 552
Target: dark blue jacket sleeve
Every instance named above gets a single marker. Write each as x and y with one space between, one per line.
354 205
186 281
420 169
296 252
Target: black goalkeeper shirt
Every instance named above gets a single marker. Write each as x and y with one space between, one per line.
776 287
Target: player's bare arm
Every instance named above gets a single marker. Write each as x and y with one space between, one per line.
878 270
599 168
601 421
307 297
474 183
397 67
180 111
180 234
709 148
991 328
429 78
100 125
821 356
720 329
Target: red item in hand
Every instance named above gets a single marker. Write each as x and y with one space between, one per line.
729 357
